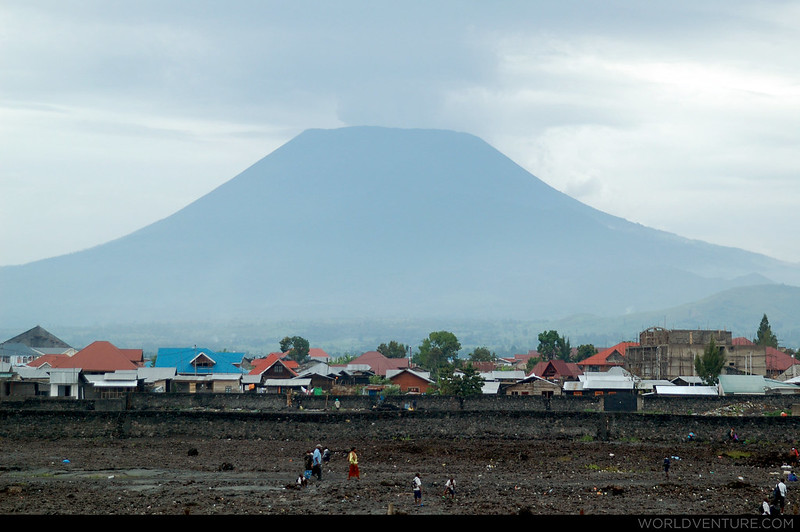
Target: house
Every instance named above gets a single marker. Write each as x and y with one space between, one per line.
16 354
157 380
503 376
6 377
66 382
781 387
557 370
111 385
410 381
686 391
208 383
668 353
649 385
199 361
34 342
321 375
615 380
520 361
201 370
353 375
100 357
533 385
23 381
380 364
779 364
47 360
742 385
492 387
607 358
274 366
285 386
495 381
318 355
485 366
754 385
687 380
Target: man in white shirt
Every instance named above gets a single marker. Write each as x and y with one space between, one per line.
417 485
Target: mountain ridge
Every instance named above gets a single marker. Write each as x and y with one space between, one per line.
380 222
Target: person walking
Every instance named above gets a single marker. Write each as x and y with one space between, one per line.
449 488
417 488
316 462
308 461
780 495
352 458
666 466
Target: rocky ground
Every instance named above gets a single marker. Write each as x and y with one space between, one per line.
257 477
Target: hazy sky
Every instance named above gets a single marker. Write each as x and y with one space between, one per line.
679 115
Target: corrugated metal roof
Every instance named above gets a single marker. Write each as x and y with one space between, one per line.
490 387
292 383
686 390
742 384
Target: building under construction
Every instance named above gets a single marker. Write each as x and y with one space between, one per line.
667 354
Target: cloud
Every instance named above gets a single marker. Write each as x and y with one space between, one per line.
679 115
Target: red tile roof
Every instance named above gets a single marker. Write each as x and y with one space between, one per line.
260 365
778 360
601 358
50 359
556 368
741 340
316 352
379 363
100 356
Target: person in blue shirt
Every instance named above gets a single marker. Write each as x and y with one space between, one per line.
316 462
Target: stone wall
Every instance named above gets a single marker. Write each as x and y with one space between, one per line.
236 402
358 426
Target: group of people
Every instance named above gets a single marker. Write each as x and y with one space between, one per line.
313 468
778 500
313 461
416 487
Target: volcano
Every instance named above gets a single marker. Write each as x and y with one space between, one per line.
379 222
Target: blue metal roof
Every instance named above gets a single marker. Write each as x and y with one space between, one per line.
183 359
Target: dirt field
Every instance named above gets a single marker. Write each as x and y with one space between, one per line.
257 477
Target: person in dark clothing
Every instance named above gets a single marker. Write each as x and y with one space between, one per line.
308 461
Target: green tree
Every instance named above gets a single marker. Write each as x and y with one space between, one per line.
764 335
552 346
437 351
296 348
393 349
585 351
467 384
709 365
482 354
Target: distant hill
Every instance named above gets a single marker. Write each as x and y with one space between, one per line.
379 223
738 310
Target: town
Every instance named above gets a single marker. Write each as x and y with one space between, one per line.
663 362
